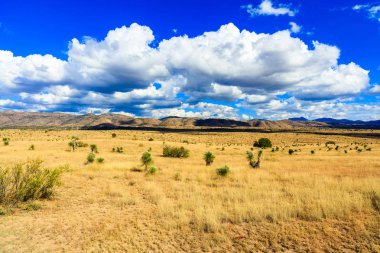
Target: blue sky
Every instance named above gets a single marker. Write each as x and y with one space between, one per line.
235 59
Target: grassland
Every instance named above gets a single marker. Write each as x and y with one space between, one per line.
326 201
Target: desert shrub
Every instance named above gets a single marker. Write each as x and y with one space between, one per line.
81 144
100 160
146 159
369 149
186 141
209 158
151 139
6 141
136 169
329 143
118 150
177 176
345 151
291 151
32 147
312 152
152 170
94 148
223 171
90 158
250 157
178 152
263 143
27 181
113 135
336 148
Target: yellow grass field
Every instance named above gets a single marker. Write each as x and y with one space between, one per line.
323 202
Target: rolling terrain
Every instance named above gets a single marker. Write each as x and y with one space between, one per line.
12 119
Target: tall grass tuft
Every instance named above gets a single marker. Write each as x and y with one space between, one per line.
27 181
178 152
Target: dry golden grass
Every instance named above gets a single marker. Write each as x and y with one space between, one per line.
303 202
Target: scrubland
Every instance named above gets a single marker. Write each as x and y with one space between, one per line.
328 201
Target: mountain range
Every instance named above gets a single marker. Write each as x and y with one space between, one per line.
13 119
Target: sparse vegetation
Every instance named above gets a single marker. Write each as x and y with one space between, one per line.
223 171
27 181
250 157
178 152
113 135
94 148
6 141
263 143
32 147
209 158
291 151
146 159
118 150
90 158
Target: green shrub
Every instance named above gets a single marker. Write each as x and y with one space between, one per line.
81 144
27 181
152 170
118 150
209 158
6 141
146 159
178 152
100 160
329 143
32 147
90 158
263 143
94 148
291 151
113 135
223 171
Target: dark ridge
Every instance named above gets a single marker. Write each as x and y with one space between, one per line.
220 123
238 130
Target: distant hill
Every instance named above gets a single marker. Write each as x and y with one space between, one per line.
12 119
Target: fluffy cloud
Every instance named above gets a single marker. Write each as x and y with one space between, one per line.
267 8
375 89
294 28
292 107
125 73
261 63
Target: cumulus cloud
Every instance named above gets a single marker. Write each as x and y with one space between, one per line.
292 107
375 89
266 8
124 73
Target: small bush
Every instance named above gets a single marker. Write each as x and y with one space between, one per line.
113 135
312 152
151 139
100 160
118 150
291 151
27 181
329 143
178 152
209 158
223 171
263 143
146 159
32 147
152 170
94 148
6 141
90 158
177 176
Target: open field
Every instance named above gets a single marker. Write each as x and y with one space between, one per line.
326 201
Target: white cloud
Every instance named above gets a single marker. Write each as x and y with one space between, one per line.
294 28
372 10
124 73
375 89
292 107
268 8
